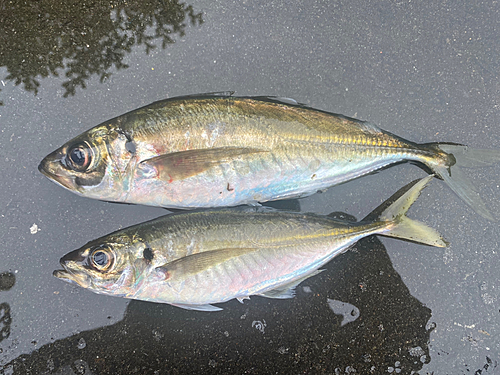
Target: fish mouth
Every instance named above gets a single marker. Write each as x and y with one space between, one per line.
72 277
51 167
70 273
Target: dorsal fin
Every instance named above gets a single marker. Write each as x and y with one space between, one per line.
278 99
216 94
220 94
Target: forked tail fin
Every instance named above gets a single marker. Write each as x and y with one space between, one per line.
452 174
394 211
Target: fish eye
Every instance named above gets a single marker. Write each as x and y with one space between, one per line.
102 259
79 157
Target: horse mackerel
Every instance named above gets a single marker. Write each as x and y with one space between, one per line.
220 150
192 260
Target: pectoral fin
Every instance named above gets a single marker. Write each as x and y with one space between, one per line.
196 263
287 290
181 165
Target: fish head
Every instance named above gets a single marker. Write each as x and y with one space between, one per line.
114 265
93 164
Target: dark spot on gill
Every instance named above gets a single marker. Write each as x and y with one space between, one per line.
130 147
130 144
148 254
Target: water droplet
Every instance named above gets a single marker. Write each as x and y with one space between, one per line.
81 343
261 326
416 351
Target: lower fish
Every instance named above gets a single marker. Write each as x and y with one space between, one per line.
193 260
220 150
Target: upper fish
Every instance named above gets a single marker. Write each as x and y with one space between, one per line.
214 150
195 259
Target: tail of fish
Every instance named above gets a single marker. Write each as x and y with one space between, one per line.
393 211
458 156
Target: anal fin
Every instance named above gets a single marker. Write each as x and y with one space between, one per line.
206 307
242 299
287 290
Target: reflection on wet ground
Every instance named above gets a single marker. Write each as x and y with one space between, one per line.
7 281
44 37
358 316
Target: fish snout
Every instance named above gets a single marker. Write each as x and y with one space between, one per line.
54 167
44 166
47 165
73 258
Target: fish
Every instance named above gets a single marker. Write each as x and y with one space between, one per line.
196 259
216 150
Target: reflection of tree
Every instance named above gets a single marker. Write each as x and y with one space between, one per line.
7 281
302 335
5 321
40 38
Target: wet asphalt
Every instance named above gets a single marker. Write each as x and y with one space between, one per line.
426 72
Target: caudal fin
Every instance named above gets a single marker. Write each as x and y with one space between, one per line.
453 175
401 226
